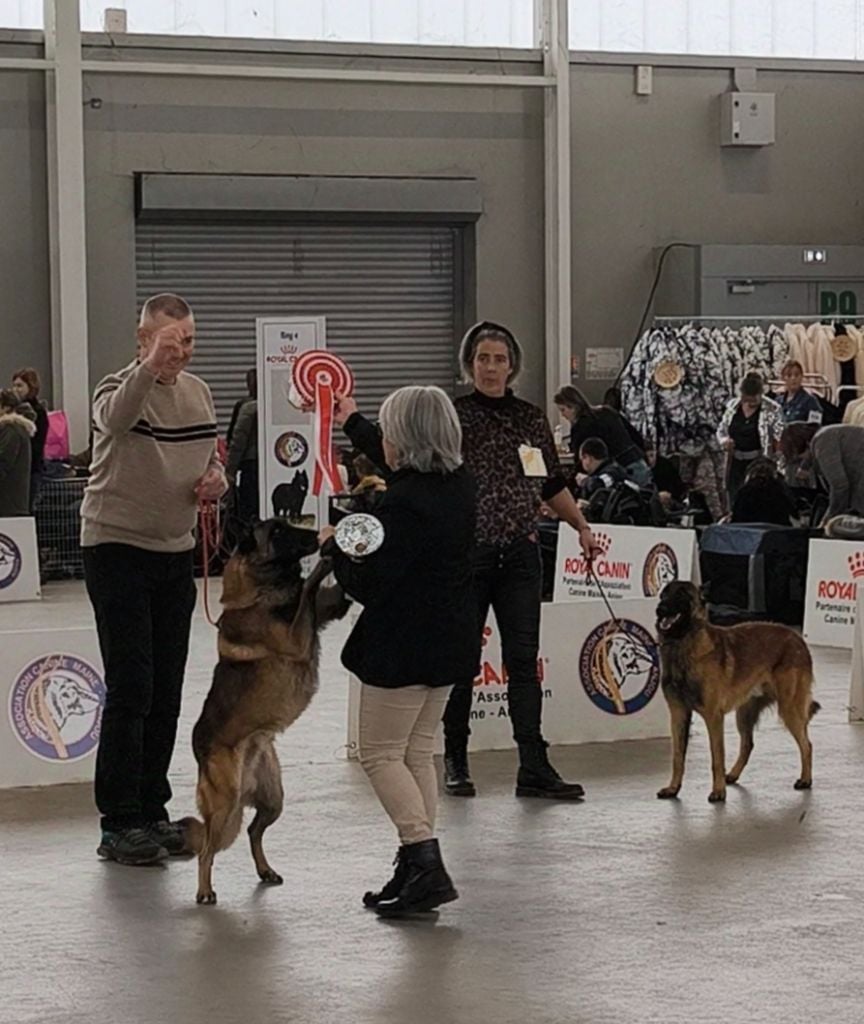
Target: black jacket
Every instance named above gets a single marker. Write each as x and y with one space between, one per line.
603 477
418 626
609 426
763 501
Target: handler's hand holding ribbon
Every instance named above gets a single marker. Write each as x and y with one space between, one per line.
319 376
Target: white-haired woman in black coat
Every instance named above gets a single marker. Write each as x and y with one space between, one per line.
417 635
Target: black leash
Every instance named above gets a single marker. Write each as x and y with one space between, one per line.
593 575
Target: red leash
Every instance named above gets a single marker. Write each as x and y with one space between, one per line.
210 519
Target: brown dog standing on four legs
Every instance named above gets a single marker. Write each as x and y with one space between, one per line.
265 678
714 670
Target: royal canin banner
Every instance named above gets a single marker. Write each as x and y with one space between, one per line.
834 570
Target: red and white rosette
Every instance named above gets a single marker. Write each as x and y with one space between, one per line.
318 377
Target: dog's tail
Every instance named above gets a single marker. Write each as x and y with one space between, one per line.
815 707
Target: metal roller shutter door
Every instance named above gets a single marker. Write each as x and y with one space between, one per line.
388 292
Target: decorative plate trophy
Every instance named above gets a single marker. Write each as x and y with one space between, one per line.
359 535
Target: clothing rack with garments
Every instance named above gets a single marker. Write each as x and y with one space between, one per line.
684 370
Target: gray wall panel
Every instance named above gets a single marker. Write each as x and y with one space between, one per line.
25 313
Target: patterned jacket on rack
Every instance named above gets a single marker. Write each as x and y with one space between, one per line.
770 424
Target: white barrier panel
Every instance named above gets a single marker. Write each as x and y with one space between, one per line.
601 682
19 560
637 561
856 689
833 569
52 692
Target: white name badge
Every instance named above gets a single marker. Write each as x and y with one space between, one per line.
533 463
814 417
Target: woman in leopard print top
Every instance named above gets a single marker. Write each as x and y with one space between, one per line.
507 567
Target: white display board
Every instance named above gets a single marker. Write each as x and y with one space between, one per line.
19 560
286 445
600 681
637 562
833 571
52 691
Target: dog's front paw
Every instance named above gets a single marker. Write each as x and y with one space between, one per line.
804 784
731 780
717 796
270 877
206 899
668 793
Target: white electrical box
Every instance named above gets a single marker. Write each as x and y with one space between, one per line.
747 119
114 20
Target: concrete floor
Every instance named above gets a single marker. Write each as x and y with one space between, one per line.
623 910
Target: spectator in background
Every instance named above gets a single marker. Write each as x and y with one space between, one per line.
751 426
243 452
763 498
26 385
599 421
600 472
796 404
838 456
667 479
16 435
251 392
613 400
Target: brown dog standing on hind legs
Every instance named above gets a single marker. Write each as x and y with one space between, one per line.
714 670
265 678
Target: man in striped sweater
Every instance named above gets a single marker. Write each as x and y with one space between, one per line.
154 457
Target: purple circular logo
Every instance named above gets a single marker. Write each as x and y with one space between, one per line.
55 707
620 667
10 561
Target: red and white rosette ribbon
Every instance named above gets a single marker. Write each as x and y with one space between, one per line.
318 377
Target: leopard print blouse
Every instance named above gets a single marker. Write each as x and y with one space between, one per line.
508 502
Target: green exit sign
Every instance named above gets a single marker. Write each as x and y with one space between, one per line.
839 303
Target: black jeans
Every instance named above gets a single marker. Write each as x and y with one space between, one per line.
507 579
143 602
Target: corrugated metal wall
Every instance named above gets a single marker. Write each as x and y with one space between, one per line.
389 294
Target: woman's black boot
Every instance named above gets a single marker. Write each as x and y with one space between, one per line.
392 889
427 884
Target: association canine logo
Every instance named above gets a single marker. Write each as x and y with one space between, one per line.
10 561
55 707
661 567
619 667
291 449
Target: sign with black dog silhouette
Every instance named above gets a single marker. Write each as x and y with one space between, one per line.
286 443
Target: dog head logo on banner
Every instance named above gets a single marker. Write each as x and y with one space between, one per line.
661 567
10 561
291 449
55 707
619 667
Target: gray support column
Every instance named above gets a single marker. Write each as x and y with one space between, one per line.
554 40
65 131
